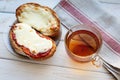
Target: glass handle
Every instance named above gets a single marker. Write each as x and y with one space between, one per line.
96 61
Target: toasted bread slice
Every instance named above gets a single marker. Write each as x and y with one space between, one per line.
28 42
41 18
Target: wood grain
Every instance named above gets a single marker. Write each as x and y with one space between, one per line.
58 67
9 6
13 70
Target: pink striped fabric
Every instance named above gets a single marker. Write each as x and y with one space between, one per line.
69 7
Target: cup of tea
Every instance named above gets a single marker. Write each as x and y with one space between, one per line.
83 42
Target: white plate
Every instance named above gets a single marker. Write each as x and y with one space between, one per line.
9 47
5 29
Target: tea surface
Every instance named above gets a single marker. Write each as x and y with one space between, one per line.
83 43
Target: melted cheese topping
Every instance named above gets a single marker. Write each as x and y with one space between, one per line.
28 37
38 18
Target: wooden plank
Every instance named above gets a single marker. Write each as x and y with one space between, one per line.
60 57
6 20
12 70
11 5
60 66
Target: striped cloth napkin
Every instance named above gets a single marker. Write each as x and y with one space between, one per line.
73 12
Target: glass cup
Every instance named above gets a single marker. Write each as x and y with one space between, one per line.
83 42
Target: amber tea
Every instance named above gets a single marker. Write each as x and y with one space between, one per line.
83 42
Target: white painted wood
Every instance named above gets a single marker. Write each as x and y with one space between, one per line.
58 62
60 57
11 5
13 70
58 67
61 67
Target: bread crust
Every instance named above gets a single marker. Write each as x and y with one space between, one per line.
54 30
18 49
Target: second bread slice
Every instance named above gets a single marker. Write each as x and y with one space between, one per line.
41 18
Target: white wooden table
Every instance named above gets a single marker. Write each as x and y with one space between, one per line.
58 67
